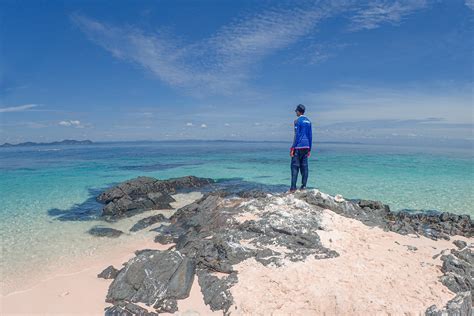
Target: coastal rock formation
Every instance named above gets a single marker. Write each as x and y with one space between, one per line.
211 235
105 232
108 273
222 229
148 221
458 277
434 225
143 194
156 278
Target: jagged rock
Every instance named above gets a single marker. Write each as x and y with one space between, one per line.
207 235
216 290
213 235
252 194
458 277
433 225
153 278
108 273
127 309
458 270
143 194
143 185
105 232
373 205
460 244
460 305
148 221
139 252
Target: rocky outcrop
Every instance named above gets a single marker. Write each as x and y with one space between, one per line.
143 194
105 232
221 230
433 225
458 277
212 235
155 278
148 221
108 273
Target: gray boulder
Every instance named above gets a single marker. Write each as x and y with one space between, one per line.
143 194
127 309
148 221
105 232
460 305
155 278
108 273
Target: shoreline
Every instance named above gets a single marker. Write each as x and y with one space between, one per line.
77 288
299 253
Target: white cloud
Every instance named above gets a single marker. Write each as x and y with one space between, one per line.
19 108
223 63
71 123
470 4
218 64
203 125
376 13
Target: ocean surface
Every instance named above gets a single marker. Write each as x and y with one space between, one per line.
48 192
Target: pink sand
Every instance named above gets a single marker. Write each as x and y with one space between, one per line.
372 275
77 290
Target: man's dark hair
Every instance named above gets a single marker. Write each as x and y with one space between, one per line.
300 108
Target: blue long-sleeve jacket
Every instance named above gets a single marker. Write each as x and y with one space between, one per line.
303 133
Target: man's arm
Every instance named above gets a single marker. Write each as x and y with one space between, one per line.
310 137
295 128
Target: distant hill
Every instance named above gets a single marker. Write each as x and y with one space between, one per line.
64 142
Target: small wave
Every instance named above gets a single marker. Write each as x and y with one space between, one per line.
50 149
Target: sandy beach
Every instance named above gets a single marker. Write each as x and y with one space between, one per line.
74 288
376 272
81 292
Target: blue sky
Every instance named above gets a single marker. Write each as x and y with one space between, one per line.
368 71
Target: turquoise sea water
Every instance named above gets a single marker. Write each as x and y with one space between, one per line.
47 193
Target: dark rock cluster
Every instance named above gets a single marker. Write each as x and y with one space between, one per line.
108 273
211 235
208 238
434 225
458 277
100 231
148 221
143 194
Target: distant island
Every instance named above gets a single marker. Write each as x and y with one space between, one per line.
61 143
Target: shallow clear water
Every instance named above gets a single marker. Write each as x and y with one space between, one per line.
47 193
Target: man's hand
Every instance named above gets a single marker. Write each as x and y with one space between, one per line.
309 154
292 152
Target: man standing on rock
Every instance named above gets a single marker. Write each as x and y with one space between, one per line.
301 149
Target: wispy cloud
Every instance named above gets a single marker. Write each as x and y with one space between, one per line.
318 52
222 64
379 12
19 108
470 4
218 64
